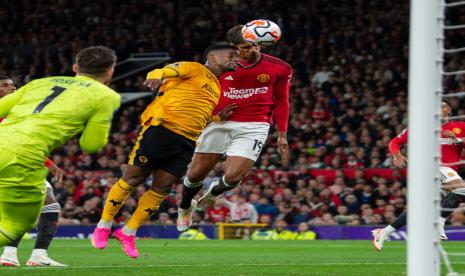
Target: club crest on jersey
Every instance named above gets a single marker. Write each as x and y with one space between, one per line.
263 78
456 130
143 159
450 174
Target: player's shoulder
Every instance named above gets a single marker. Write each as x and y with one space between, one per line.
276 61
99 90
191 64
458 123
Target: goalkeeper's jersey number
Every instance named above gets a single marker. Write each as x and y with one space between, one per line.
56 91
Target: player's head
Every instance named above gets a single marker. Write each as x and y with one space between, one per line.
97 62
221 58
302 227
446 108
247 51
7 86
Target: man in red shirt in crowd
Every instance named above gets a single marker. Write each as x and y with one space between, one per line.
48 221
258 92
217 213
452 144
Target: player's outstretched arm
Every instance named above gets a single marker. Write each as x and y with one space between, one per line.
174 70
394 148
9 101
95 134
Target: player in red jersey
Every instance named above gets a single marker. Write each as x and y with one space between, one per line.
452 144
253 96
48 220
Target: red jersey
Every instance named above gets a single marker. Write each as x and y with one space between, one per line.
260 90
450 150
218 215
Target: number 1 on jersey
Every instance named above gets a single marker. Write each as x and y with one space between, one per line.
56 91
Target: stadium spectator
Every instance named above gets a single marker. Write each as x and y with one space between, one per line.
303 233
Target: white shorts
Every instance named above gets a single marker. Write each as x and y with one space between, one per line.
48 185
447 174
233 139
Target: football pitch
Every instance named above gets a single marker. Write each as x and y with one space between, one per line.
230 257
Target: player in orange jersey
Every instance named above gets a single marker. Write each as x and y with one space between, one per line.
171 124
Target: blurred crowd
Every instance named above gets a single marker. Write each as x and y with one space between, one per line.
348 99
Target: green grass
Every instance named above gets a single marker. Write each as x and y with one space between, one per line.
230 257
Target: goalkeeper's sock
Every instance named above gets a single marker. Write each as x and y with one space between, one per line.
15 243
189 190
115 200
400 221
223 186
147 206
10 250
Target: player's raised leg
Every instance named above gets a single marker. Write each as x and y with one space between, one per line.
242 152
455 185
201 165
148 204
381 235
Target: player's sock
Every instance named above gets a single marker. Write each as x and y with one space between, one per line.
15 243
451 201
129 231
10 250
388 230
400 221
189 190
223 186
147 206
47 226
116 198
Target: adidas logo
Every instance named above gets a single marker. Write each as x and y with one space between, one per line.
229 78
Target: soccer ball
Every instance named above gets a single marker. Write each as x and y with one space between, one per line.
261 32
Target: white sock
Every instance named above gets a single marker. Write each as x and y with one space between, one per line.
104 224
442 221
129 231
388 230
10 250
39 252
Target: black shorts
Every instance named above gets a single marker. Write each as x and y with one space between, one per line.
160 148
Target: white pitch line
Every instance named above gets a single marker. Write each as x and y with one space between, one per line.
229 245
202 265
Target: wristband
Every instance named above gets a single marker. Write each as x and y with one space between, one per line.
48 163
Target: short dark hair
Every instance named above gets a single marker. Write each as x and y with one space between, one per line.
95 60
2 77
234 35
216 47
447 102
